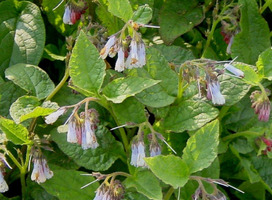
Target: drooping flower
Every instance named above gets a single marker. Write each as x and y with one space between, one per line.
120 63
261 104
73 134
107 48
3 184
138 153
114 191
234 70
73 11
50 119
213 92
154 147
41 171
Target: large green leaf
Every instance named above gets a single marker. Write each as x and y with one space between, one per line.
254 34
87 70
66 184
16 133
145 183
98 159
129 110
142 15
9 92
178 17
22 34
121 9
201 148
32 79
170 169
121 88
234 89
264 64
189 115
27 107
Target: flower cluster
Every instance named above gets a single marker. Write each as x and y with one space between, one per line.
114 191
73 11
261 104
130 50
81 128
41 171
268 145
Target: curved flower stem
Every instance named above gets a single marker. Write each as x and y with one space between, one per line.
59 86
169 193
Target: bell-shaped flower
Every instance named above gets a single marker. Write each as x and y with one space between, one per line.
108 47
120 63
3 184
214 92
41 171
234 70
50 119
67 15
261 104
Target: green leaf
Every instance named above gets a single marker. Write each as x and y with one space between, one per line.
264 64
51 52
121 88
113 24
254 34
234 89
121 9
9 92
145 183
201 148
143 14
98 159
251 77
175 54
170 169
178 17
32 79
66 184
129 110
189 115
22 34
27 107
87 70
16 133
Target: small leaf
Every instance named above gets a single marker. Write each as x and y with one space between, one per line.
99 159
66 184
254 33
142 15
27 107
87 70
178 17
201 148
22 34
145 183
121 9
264 64
121 88
170 169
129 110
189 115
32 79
16 133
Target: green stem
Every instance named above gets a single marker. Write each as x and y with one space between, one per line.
169 193
180 85
14 160
210 36
267 3
239 134
23 183
59 86
223 112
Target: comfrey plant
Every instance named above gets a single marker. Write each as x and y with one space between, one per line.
140 101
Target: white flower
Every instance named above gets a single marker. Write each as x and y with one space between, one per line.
3 184
41 171
91 141
214 89
72 131
141 54
120 63
67 16
234 70
155 150
141 155
134 58
105 51
50 119
230 44
134 154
